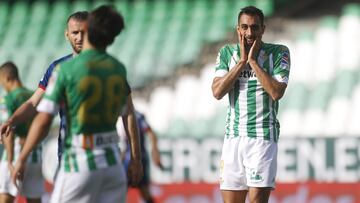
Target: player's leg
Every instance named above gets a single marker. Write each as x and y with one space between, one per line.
259 195
144 185
33 200
145 193
33 184
232 172
77 187
8 190
6 198
233 196
260 160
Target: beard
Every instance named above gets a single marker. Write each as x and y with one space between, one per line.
76 48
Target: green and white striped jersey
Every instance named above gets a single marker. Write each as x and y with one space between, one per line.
251 111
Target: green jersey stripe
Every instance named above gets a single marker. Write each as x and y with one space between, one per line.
90 159
266 120
251 107
74 161
237 107
110 156
67 162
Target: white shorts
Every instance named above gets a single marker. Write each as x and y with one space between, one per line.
247 162
31 187
107 185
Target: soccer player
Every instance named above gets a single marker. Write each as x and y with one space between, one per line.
94 89
143 129
255 75
74 33
33 187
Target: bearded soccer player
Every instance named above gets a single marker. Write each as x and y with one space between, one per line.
255 75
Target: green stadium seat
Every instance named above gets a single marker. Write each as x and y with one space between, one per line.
34 32
80 5
16 25
4 13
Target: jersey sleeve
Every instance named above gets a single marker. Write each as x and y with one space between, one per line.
221 67
282 65
45 79
54 92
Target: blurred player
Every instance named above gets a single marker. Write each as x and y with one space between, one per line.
255 75
34 183
144 129
94 89
74 33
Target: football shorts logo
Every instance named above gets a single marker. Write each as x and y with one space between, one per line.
255 177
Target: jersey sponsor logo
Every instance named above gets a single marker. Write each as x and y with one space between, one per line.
247 74
99 141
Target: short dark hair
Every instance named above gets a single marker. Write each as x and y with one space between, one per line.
253 11
104 24
10 70
78 16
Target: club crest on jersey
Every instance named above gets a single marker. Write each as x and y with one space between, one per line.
285 60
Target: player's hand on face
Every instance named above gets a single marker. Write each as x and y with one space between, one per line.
254 50
135 172
243 54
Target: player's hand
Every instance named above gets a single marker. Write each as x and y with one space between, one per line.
254 50
156 158
18 172
243 54
135 172
6 128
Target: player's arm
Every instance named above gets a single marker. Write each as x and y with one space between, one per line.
154 148
222 85
130 126
131 129
273 87
25 112
9 146
38 131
